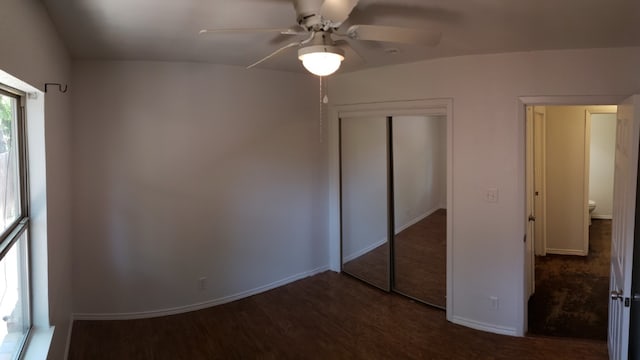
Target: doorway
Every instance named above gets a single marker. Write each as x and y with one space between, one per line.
570 162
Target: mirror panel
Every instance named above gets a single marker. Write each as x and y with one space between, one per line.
420 198
364 162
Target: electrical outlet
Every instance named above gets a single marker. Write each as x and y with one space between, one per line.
202 283
495 302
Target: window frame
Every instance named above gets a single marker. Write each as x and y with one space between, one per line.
16 230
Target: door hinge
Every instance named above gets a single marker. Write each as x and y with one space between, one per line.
532 218
627 302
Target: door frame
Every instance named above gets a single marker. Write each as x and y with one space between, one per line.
540 239
442 107
522 103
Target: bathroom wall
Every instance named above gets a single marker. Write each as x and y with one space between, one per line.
566 136
565 182
602 157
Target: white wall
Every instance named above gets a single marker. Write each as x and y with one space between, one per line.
602 157
419 167
33 52
488 152
185 170
364 185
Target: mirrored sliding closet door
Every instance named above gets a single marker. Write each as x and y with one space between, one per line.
393 203
420 199
364 158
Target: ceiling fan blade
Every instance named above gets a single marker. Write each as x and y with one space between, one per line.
247 31
337 11
351 53
394 34
273 54
294 32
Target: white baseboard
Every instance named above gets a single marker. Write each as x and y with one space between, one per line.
566 252
201 305
68 342
496 329
365 250
416 219
602 217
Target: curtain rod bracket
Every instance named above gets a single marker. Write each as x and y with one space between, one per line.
60 88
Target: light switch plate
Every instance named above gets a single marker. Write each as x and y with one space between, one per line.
491 195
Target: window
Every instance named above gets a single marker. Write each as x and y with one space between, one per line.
15 320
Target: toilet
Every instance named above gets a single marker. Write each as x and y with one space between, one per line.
592 206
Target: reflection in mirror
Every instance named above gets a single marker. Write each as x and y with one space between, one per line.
420 198
364 199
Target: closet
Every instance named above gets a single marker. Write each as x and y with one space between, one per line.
393 199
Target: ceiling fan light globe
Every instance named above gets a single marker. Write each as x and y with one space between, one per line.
321 63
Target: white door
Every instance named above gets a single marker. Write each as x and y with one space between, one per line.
535 189
624 211
539 182
531 210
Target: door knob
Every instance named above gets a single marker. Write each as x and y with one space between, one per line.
617 295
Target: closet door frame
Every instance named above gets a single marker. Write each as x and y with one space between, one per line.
427 107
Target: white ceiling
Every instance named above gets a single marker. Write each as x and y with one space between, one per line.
167 30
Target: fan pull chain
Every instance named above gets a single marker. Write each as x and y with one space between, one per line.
323 100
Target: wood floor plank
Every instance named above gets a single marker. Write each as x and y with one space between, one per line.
328 316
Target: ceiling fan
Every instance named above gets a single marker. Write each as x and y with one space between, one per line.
322 49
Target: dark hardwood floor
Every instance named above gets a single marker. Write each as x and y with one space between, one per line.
327 316
420 261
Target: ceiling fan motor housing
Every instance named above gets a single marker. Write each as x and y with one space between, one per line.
308 12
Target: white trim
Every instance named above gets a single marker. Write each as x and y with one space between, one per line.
404 107
602 217
585 178
39 342
416 220
587 100
478 325
543 187
201 305
530 197
578 252
361 252
69 334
